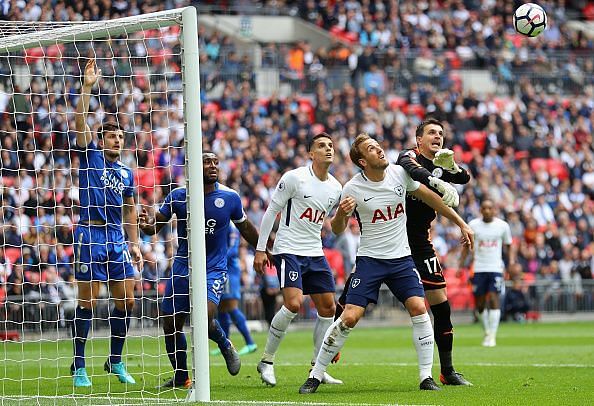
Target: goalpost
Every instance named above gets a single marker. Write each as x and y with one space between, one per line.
151 87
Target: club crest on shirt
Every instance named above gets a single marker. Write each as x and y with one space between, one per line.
281 185
293 275
399 190
219 202
437 172
84 268
355 282
331 201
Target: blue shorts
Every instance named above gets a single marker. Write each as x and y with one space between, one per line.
484 282
310 274
400 275
101 254
177 291
232 290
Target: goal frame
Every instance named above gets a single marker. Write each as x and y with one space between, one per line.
187 19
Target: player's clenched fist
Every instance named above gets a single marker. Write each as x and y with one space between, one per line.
346 206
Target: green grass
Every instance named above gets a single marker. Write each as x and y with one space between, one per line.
544 364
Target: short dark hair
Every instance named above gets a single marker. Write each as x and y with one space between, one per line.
425 123
108 126
315 137
355 152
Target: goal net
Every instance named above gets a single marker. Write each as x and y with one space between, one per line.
149 86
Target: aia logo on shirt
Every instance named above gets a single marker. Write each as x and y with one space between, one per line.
488 244
391 213
112 182
315 216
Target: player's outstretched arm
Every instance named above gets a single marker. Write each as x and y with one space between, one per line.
341 218
131 227
83 132
151 225
434 201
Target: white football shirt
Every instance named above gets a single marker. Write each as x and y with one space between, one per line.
306 201
488 244
381 212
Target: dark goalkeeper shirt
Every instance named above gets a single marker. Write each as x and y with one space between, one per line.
419 216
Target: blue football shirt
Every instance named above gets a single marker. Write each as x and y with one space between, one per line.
220 207
102 187
233 249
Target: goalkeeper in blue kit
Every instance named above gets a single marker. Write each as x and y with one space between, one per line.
101 252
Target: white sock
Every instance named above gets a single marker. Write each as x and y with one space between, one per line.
334 339
277 331
484 315
423 340
494 317
322 325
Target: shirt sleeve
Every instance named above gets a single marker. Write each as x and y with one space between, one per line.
166 208
89 157
410 184
285 189
129 188
408 160
237 213
507 237
460 178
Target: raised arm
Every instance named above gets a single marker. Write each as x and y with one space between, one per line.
83 132
433 200
131 228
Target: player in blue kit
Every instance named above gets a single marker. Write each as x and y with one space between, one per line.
101 252
229 307
221 206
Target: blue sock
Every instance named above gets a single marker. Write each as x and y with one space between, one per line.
119 322
176 347
217 335
225 322
80 331
181 357
241 324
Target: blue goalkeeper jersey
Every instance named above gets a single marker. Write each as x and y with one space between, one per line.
102 187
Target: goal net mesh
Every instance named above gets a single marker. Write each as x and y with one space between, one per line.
41 68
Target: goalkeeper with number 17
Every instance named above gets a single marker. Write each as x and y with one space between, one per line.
101 251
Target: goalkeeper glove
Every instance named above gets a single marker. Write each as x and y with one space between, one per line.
445 159
449 193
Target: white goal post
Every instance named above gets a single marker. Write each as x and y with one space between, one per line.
16 38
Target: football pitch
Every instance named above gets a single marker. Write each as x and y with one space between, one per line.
536 364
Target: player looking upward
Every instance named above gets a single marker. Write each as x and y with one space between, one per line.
100 248
377 198
493 240
303 196
221 206
432 165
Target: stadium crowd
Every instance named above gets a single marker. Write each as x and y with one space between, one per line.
531 149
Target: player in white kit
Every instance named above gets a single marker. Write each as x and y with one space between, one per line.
303 196
377 199
492 238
